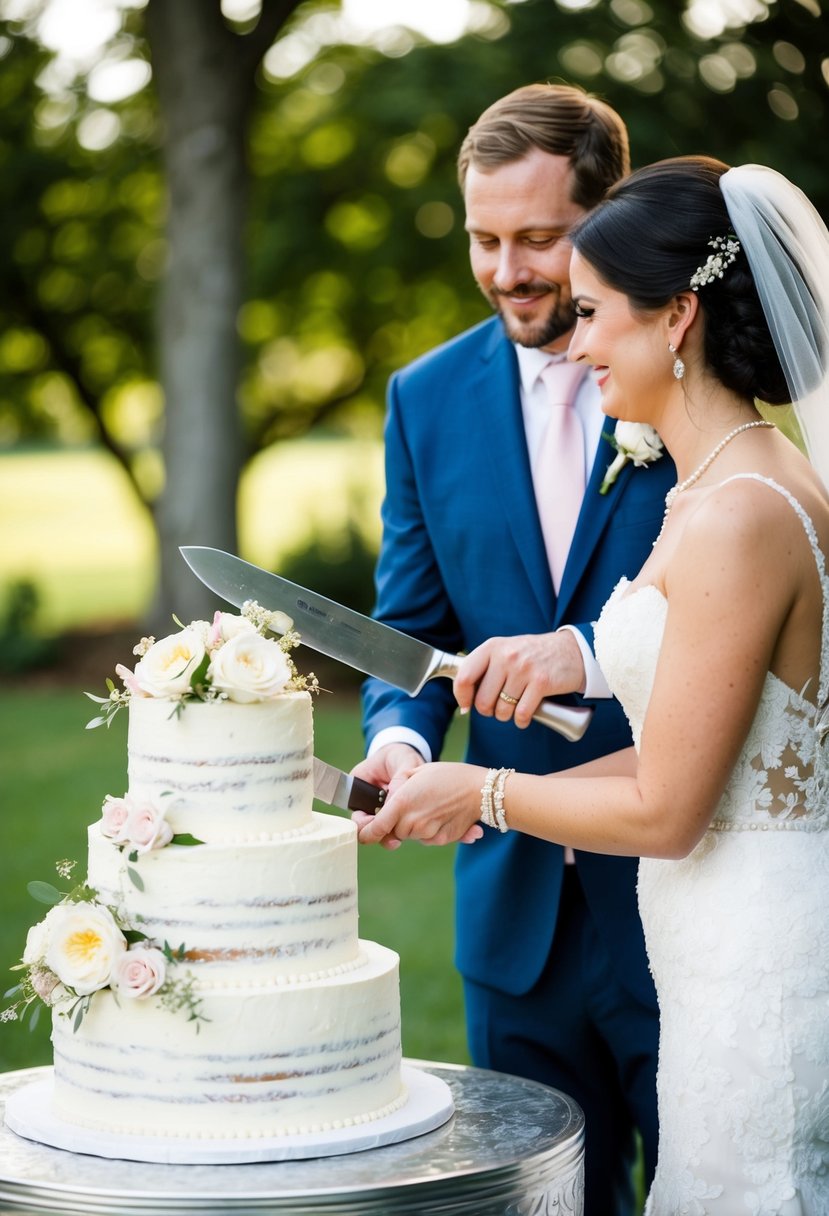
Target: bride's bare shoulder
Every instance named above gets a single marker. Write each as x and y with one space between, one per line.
753 519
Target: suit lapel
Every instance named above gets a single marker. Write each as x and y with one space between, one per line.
497 399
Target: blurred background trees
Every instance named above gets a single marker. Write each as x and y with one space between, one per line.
226 224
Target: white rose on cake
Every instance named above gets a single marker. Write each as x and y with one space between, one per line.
168 666
249 668
84 945
139 972
38 938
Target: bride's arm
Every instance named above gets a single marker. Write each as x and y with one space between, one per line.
731 586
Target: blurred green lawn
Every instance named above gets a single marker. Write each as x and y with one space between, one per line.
72 526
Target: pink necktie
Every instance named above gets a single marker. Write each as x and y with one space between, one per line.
558 474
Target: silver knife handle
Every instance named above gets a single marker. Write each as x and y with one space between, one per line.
571 721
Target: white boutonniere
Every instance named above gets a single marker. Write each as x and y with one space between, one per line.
634 441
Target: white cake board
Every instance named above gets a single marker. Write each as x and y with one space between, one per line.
429 1104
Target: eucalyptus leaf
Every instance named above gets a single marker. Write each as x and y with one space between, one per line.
93 722
200 674
135 878
35 1018
44 892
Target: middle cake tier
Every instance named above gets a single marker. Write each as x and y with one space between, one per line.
259 912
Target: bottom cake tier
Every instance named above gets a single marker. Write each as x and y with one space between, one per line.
302 1057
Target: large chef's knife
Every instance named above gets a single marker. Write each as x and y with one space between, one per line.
346 635
336 788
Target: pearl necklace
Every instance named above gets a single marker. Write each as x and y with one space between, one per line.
706 464
709 460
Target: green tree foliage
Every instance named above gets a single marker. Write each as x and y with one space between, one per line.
358 255
353 256
81 251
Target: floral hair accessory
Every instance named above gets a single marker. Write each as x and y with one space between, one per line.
714 266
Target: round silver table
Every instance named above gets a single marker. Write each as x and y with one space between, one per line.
512 1148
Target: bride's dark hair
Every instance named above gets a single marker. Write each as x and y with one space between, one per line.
649 236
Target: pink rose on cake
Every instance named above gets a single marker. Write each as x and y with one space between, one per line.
146 827
141 825
114 815
250 668
84 945
140 972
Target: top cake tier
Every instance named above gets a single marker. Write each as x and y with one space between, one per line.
228 773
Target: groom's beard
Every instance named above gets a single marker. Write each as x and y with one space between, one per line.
557 318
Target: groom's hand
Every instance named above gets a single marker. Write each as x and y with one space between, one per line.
508 678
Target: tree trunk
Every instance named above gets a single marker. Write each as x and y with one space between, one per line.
204 102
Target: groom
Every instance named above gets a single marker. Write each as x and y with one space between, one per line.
550 947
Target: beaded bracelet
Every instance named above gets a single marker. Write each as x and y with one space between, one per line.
498 799
492 799
487 809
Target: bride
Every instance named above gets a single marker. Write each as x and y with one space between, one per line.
699 289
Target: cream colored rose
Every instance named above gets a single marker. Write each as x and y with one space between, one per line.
227 625
85 943
638 441
167 667
146 827
250 668
139 972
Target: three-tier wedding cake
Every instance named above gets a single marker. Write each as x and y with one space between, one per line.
207 979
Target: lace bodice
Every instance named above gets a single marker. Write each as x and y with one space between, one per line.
781 780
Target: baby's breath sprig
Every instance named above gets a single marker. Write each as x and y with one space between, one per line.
288 639
180 993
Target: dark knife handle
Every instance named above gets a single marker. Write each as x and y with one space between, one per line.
365 797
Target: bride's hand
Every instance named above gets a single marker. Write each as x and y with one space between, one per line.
508 678
439 804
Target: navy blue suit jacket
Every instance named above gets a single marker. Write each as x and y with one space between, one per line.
463 560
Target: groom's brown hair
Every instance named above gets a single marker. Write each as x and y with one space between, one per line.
556 118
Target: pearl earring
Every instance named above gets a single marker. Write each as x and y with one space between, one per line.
679 366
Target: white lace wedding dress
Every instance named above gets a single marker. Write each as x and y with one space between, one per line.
738 941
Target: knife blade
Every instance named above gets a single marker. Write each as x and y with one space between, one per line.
336 788
346 635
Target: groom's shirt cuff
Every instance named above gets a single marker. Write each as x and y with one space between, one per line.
595 685
400 734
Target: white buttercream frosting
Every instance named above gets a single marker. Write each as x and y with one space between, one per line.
299 1026
227 770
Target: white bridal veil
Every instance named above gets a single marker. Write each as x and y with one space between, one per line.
787 246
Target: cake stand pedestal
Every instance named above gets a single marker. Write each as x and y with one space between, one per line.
512 1148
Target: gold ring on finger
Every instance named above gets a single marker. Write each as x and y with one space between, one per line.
504 696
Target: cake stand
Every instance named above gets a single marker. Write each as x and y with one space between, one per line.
512 1148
